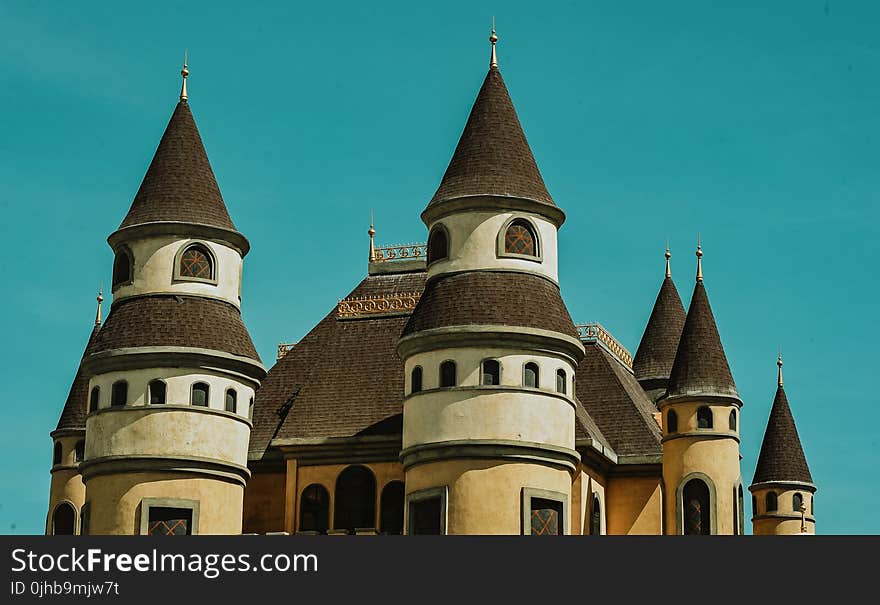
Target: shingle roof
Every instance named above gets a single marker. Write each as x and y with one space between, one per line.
179 184
343 379
174 321
659 343
491 298
492 156
700 365
73 416
619 406
782 457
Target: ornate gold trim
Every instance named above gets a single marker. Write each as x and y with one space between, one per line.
394 252
359 306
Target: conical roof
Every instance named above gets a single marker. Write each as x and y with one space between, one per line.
700 366
73 416
492 156
179 185
782 457
656 352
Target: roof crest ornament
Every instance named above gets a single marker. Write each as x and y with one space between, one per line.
668 256
100 299
779 365
699 260
493 38
185 73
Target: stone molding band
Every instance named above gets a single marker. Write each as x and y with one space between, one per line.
192 465
181 229
492 203
512 451
137 358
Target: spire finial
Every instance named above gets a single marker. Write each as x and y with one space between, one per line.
184 72
779 365
699 259
668 256
493 38
100 299
371 232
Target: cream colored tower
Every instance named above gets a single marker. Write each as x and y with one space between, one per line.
700 417
172 372
490 350
783 488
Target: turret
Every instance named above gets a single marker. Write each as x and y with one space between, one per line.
783 488
700 417
172 373
490 350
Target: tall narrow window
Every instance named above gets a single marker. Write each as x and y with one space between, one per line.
491 372
416 380
64 520
391 508
231 401
196 262
697 516
671 422
94 398
121 267
546 517
596 515
251 409
447 374
771 502
438 244
811 504
57 453
355 499
169 521
314 509
199 394
530 375
704 417
158 390
560 381
732 421
520 239
797 501
119 393
754 505
735 514
79 451
740 506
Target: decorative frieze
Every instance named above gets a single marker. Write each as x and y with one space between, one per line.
382 304
595 333
399 252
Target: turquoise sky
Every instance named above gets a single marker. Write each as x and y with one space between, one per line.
756 124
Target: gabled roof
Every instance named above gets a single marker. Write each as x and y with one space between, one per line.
782 457
179 185
700 366
492 156
76 408
656 352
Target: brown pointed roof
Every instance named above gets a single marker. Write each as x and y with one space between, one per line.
700 366
782 457
179 185
492 156
659 343
73 416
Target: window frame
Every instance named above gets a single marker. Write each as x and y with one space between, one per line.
679 502
443 364
412 381
94 399
148 503
768 497
537 372
113 392
501 248
708 409
192 390
392 484
427 494
177 277
226 393
733 421
528 493
79 451
794 497
122 249
76 519
336 499
484 374
561 373
594 499
671 422
437 228
299 521
150 391
57 453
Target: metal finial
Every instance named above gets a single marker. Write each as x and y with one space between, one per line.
184 72
493 38
371 232
699 259
100 299
779 365
668 256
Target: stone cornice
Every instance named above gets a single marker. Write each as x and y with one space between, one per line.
134 358
184 230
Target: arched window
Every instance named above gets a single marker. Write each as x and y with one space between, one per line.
57 453
520 238
64 520
797 501
94 398
671 422
596 516
79 451
391 508
158 391
732 421
121 267
811 504
231 401
199 395
314 509
251 409
704 417
491 372
531 376
119 393
196 262
355 501
560 381
447 374
695 505
770 502
416 379
438 244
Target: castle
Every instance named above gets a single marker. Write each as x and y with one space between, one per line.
448 393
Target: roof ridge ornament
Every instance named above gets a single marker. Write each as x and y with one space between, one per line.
493 38
699 260
185 73
668 256
100 299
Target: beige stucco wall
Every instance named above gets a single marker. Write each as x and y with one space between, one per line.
154 269
115 500
587 482
66 484
635 506
785 520
485 496
473 238
264 503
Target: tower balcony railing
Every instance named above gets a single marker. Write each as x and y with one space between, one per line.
596 333
398 252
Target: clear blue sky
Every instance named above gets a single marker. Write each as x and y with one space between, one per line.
757 124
